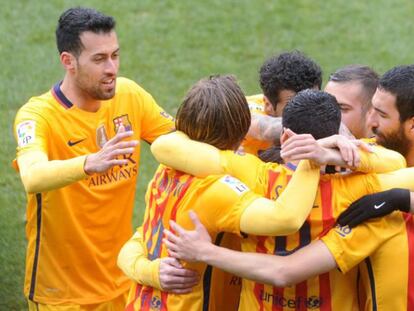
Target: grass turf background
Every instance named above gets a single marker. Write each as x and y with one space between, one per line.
168 45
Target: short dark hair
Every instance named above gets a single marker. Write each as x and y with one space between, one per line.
362 74
312 112
399 81
215 111
74 21
288 71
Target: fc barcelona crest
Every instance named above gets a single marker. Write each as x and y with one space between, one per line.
122 120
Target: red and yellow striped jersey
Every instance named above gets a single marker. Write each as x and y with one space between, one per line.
383 251
226 287
329 291
219 201
75 232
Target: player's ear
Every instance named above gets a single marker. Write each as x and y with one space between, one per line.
409 128
284 136
268 107
68 61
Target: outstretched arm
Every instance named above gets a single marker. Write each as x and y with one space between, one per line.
178 151
289 211
278 271
341 151
383 203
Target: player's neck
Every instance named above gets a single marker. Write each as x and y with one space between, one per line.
79 98
410 157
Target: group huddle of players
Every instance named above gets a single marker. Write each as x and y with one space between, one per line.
242 212
304 208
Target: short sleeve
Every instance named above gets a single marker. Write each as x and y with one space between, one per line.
245 167
30 130
224 202
350 246
155 121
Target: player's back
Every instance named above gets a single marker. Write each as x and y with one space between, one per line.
219 202
329 291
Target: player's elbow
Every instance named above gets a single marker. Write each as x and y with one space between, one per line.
289 224
161 148
32 185
123 260
282 276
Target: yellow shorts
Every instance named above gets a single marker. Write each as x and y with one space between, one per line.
116 304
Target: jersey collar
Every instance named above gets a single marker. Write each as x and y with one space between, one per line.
60 97
291 166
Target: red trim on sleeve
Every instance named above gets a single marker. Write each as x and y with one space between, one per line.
409 222
328 221
259 288
272 179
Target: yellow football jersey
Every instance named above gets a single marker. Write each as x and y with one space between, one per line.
219 201
329 291
251 145
75 232
225 287
383 251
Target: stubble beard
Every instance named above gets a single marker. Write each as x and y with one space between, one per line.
396 141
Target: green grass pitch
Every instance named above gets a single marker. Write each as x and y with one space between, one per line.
166 45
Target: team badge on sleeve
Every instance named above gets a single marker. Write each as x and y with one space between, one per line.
235 184
25 133
166 115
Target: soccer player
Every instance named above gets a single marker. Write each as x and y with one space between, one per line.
377 246
78 155
280 77
305 113
392 122
214 111
353 86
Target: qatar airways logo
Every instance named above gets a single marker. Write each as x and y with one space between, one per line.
115 174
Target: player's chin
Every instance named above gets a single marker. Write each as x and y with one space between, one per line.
107 93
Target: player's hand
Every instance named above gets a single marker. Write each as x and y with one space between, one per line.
347 147
375 205
187 245
302 146
175 278
344 131
106 158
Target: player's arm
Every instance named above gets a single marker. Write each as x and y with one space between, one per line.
39 174
178 151
162 273
270 129
288 213
344 242
341 151
265 128
278 271
396 197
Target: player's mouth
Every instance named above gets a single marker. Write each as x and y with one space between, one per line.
109 83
